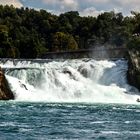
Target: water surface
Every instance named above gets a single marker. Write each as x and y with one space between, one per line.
26 120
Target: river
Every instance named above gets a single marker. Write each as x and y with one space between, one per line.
69 99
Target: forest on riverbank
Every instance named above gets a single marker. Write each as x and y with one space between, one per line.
28 33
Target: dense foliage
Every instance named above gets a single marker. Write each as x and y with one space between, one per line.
27 33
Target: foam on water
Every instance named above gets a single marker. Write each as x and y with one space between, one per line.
84 80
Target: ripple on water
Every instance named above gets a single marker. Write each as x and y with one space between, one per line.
69 121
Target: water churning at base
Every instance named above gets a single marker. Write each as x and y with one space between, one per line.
81 80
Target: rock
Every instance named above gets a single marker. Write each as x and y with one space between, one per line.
23 85
85 70
67 71
133 73
5 91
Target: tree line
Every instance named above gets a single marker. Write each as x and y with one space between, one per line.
28 33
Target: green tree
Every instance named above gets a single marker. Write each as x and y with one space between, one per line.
63 42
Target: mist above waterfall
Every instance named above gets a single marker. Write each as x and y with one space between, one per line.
82 80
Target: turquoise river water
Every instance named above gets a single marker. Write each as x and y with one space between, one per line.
42 121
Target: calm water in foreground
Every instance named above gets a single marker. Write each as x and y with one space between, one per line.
43 121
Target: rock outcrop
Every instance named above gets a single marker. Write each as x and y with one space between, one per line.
5 91
134 68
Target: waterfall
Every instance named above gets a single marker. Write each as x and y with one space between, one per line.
81 80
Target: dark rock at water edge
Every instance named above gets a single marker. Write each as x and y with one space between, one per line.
133 73
5 91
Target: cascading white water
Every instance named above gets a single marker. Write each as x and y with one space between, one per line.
82 80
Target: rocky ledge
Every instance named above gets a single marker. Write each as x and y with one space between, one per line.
5 91
134 68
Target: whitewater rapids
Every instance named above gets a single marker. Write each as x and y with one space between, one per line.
81 80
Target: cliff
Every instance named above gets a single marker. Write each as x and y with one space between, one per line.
134 68
5 92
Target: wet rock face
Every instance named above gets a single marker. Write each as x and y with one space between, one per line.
134 68
5 91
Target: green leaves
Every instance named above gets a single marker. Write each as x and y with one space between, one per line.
134 42
63 42
27 33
